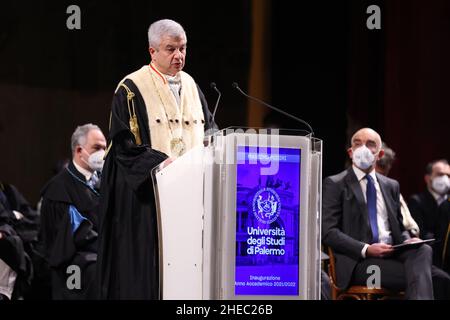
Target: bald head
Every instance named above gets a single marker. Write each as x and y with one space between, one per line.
369 138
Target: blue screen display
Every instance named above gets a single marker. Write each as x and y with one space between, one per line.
267 221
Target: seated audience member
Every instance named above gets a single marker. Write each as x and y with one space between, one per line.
424 205
69 216
443 241
442 254
383 166
19 225
362 221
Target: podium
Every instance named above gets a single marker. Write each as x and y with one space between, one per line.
240 217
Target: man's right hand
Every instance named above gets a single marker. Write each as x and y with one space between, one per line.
167 162
379 250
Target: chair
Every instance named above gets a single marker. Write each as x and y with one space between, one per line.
357 292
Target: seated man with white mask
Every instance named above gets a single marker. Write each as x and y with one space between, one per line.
362 222
69 211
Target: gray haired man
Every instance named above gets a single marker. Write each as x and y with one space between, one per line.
69 217
158 113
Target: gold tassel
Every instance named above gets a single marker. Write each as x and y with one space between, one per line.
134 126
111 142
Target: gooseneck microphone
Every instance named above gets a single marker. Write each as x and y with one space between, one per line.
236 86
214 87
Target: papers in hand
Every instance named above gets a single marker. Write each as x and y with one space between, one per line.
412 244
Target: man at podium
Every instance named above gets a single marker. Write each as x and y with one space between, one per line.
158 113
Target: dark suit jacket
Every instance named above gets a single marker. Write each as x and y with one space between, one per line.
346 226
424 210
442 225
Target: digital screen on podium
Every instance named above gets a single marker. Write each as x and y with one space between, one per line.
267 221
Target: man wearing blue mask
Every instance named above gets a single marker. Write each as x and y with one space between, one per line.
362 222
69 212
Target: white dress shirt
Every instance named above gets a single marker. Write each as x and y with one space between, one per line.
83 171
384 231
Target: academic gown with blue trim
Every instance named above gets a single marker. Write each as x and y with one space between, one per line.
69 232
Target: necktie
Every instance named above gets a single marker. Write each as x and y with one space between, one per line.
441 199
371 194
93 180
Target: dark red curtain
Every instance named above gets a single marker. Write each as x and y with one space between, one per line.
399 82
417 86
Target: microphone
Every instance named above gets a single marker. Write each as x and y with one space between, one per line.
214 87
236 86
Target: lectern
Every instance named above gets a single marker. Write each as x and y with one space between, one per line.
240 217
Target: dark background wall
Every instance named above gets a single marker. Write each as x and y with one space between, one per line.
53 79
321 64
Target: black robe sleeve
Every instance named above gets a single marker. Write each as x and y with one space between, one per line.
128 256
134 161
20 236
11 249
19 203
56 234
28 225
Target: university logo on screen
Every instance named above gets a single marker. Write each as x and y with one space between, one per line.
267 216
266 205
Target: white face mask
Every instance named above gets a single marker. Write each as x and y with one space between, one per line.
95 160
363 158
441 184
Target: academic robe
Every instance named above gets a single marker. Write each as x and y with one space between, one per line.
19 237
27 226
128 259
69 232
